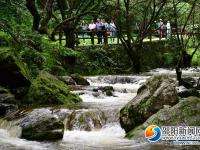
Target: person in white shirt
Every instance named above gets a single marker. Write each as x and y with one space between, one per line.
112 29
92 27
168 26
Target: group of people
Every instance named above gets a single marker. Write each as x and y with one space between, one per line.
163 28
101 28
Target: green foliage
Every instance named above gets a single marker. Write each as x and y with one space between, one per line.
102 60
112 59
170 59
4 39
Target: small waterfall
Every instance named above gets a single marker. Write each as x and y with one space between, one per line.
98 126
11 129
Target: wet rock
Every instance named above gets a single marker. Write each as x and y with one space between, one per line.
76 87
62 113
189 92
41 125
46 89
6 109
96 94
192 81
79 80
108 90
86 120
185 113
67 80
151 97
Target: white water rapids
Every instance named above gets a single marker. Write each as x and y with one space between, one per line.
109 137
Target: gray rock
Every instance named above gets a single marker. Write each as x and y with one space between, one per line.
41 125
151 97
86 120
67 80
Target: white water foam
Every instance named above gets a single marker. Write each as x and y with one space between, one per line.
8 142
111 135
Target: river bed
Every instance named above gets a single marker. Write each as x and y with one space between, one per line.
110 136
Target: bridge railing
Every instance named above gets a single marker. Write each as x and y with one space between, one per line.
91 34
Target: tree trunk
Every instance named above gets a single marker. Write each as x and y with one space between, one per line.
184 61
30 4
134 56
47 14
70 39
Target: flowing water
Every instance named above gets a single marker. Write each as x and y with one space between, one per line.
109 136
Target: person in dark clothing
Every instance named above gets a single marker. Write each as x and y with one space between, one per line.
99 31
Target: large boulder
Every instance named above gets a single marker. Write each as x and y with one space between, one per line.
151 97
86 120
13 72
46 89
41 125
186 113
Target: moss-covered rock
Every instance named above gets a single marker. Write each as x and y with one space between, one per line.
46 89
157 92
186 113
79 79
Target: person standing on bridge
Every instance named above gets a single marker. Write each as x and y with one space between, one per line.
99 31
84 28
161 28
112 29
104 31
168 26
92 27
